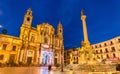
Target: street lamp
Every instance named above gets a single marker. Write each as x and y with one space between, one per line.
39 59
39 53
62 59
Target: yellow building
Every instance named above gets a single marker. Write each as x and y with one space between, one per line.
38 45
9 48
108 50
71 56
68 56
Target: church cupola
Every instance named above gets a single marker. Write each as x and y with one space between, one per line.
28 18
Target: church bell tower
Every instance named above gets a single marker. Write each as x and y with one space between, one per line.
60 30
28 18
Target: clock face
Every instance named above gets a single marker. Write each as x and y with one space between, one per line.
28 19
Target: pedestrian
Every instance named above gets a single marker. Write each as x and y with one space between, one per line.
49 67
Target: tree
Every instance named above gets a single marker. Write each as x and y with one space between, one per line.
4 31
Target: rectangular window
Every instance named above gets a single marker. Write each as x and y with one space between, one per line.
111 43
14 48
12 58
119 40
95 46
100 45
100 50
32 38
106 50
1 57
4 46
92 47
112 49
105 44
96 51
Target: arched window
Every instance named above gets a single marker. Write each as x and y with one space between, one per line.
100 45
41 32
95 46
100 50
114 55
92 47
118 40
106 50
74 58
111 43
112 49
102 56
4 46
96 51
107 56
98 57
105 44
1 57
14 48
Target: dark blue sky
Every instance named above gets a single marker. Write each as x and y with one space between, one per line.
103 17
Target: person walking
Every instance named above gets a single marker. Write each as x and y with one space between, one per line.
49 67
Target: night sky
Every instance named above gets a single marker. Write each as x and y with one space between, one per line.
103 17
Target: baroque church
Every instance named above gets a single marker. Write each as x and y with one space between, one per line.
42 45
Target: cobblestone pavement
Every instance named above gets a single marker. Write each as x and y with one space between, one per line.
32 70
38 70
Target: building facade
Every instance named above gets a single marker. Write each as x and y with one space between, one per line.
105 52
9 48
108 50
71 56
67 56
41 45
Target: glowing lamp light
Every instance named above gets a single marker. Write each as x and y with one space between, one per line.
0 48
46 46
1 26
5 59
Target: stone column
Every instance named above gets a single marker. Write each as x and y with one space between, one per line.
83 18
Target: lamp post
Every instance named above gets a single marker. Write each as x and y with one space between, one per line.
39 59
39 54
62 59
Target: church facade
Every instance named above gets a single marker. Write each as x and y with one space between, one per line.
40 45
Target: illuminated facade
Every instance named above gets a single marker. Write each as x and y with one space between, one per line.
71 56
84 54
68 56
104 52
108 50
40 45
9 48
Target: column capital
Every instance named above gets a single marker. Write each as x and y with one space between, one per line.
83 17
